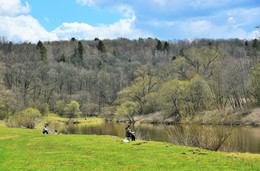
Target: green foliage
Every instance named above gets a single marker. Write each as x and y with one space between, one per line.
59 107
200 60
255 82
183 98
28 118
92 109
9 104
172 97
63 58
127 110
42 107
139 92
2 110
72 110
151 104
126 70
199 95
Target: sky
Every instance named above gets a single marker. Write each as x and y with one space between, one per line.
51 20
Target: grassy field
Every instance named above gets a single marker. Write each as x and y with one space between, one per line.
23 149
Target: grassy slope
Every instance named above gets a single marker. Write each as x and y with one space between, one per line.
22 149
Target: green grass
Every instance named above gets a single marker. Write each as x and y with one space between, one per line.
89 120
23 149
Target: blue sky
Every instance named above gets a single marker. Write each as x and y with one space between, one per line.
47 20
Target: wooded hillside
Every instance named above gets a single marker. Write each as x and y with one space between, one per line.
124 78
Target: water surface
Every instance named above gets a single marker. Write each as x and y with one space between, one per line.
242 139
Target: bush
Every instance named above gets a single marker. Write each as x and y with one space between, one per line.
27 118
209 137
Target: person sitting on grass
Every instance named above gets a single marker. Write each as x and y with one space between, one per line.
45 130
129 133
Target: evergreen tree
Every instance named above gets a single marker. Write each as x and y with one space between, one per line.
254 45
43 51
80 50
159 45
166 46
101 47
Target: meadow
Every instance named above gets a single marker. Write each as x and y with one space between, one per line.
27 149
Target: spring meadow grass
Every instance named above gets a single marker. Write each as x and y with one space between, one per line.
25 149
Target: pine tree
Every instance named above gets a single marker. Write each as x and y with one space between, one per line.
101 47
43 51
80 50
159 45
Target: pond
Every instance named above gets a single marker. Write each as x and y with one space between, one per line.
238 138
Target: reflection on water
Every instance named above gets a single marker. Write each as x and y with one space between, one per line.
242 139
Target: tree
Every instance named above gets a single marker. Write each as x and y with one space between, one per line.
101 47
255 82
172 96
144 84
73 39
43 51
72 110
183 98
159 45
127 110
229 83
80 50
59 107
23 78
9 104
201 60
166 46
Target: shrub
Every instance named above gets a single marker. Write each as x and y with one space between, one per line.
209 137
26 118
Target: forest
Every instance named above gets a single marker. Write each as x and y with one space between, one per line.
149 80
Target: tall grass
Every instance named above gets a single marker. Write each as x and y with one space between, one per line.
207 137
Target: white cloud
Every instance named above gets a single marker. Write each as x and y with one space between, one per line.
205 28
231 23
24 28
19 28
122 28
166 19
126 10
244 16
209 3
86 2
13 7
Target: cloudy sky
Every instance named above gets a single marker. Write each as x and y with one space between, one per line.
47 20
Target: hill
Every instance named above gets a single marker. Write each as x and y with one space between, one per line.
122 78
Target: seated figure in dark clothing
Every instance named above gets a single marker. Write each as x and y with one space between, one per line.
129 134
45 130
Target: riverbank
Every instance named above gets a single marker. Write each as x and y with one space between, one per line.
245 117
23 149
